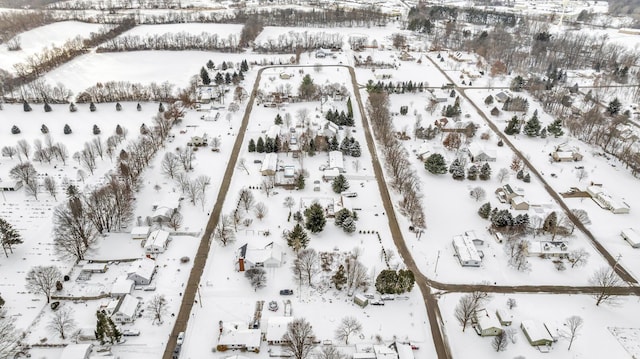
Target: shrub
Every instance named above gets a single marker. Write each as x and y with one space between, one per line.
44 129
15 130
92 107
73 107
67 129
26 107
47 107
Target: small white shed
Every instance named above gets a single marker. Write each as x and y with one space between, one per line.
141 232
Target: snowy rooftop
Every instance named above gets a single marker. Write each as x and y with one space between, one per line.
276 327
144 268
465 248
536 330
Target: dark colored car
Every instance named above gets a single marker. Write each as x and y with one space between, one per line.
55 305
286 292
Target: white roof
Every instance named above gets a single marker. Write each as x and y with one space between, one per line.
384 352
144 268
96 266
631 235
404 351
274 131
333 172
121 285
247 337
9 183
142 230
157 238
486 321
466 249
536 330
547 247
277 327
518 200
262 255
76 351
289 171
270 162
336 160
564 154
127 306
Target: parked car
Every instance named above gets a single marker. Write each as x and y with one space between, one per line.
130 332
286 292
376 302
180 339
54 305
387 297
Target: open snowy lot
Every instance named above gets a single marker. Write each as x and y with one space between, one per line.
610 326
34 41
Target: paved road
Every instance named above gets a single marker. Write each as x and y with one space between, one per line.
200 259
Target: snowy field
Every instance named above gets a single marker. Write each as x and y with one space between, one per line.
608 330
222 30
36 40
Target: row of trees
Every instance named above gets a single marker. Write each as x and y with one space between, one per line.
179 41
403 178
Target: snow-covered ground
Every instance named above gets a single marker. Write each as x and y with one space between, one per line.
36 40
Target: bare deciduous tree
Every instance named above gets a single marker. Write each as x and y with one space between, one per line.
329 352
605 279
500 341
62 322
242 165
578 257
348 326
24 149
573 325
478 193
42 280
503 175
32 188
224 232
175 221
289 202
260 210
257 277
246 199
298 339
9 151
170 164
74 233
50 185
582 174
511 303
465 310
9 339
306 265
267 186
24 172
157 308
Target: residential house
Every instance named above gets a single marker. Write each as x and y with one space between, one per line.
198 141
141 232
236 335
467 253
10 186
268 257
121 287
142 271
157 242
289 171
505 318
518 203
336 161
163 210
77 351
269 164
562 153
478 154
495 111
404 350
502 96
384 352
124 310
330 174
631 236
558 249
322 53
405 56
285 76
423 151
606 201
515 197
536 333
487 324
276 328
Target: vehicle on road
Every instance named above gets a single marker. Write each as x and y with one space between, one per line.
376 302
286 292
130 332
180 339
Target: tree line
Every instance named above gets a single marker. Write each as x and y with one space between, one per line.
172 42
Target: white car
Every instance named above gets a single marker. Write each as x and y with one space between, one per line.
180 339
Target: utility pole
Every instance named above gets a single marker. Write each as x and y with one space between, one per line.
436 267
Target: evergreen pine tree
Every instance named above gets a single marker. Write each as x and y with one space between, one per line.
260 145
485 210
297 238
340 278
47 107
485 172
278 120
345 146
210 65
224 66
100 327
300 181
96 130
543 132
277 145
161 107
527 178
26 107
555 128
227 78
354 150
386 282
119 130
349 108
73 107
349 225
92 107
488 100
315 220
513 126
457 170
520 174
204 76
252 145
435 164
312 148
614 107
269 145
118 106
472 173
139 107
9 237
15 130
532 127
341 215
340 184
67 129
44 129
333 144
219 79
